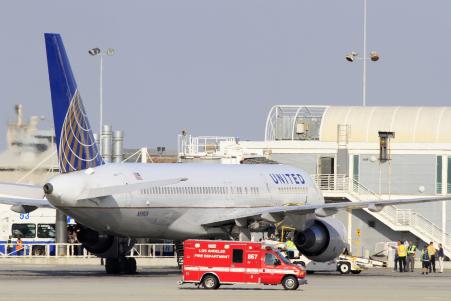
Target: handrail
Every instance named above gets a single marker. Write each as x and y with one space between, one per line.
200 146
408 217
418 223
331 182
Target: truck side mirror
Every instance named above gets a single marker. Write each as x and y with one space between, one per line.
277 262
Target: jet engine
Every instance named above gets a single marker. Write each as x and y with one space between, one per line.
94 241
323 241
103 245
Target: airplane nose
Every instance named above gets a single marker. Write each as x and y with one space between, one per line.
48 188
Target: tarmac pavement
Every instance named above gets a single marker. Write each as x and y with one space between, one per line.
87 282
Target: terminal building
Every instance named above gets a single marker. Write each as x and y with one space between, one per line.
358 153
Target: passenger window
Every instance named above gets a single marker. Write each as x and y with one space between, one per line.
270 259
237 256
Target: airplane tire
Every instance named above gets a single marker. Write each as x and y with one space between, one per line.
112 266
131 265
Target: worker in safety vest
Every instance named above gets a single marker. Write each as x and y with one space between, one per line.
402 254
19 247
424 257
411 252
290 248
431 251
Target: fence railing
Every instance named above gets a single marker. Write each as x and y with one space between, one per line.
332 182
150 250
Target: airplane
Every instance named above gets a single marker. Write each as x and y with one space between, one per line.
116 203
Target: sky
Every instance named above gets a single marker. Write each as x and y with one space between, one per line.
217 67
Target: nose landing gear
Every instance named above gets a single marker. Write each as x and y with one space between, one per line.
121 265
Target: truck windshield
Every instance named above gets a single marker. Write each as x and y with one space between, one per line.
283 258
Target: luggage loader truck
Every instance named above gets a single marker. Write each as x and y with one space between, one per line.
211 263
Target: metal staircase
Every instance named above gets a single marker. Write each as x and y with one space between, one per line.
394 217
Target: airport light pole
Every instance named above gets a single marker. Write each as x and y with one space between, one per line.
98 52
373 55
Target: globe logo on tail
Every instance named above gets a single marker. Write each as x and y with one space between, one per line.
78 149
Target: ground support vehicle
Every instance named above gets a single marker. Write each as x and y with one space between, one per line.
349 264
211 263
343 264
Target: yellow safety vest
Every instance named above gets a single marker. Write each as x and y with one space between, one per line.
402 251
290 245
411 249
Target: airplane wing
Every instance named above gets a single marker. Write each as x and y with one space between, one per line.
23 198
276 214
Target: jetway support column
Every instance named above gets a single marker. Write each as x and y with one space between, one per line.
61 231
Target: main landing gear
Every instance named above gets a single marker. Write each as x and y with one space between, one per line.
121 265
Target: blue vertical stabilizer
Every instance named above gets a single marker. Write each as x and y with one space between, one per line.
75 142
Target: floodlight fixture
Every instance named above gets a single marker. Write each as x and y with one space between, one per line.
94 51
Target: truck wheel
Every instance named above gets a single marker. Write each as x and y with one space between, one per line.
210 282
356 272
290 283
344 268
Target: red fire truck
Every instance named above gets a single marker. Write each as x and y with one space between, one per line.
215 262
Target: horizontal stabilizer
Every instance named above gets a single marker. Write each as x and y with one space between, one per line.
23 198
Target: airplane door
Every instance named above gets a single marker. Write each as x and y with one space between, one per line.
266 190
122 179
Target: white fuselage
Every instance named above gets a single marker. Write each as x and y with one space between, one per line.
178 211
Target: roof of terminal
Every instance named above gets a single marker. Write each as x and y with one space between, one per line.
410 124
